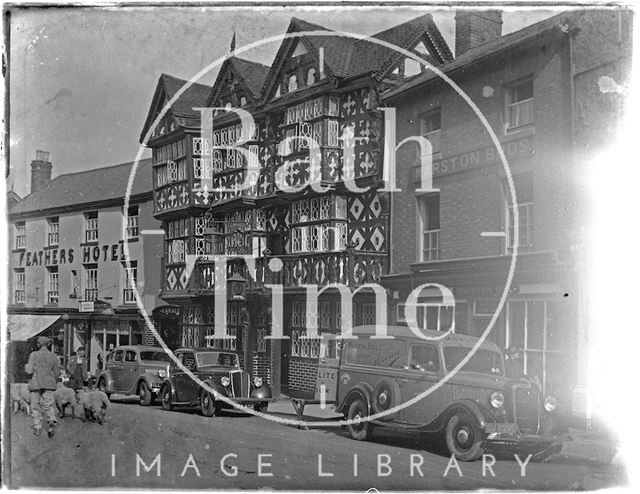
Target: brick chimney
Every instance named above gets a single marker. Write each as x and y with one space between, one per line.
476 27
40 171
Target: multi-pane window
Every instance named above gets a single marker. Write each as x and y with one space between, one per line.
53 231
332 133
132 222
19 281
52 285
325 233
261 340
429 209
302 346
130 280
91 226
21 236
519 111
534 327
523 184
430 130
177 237
91 282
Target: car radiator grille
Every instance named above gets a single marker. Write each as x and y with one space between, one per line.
526 409
239 384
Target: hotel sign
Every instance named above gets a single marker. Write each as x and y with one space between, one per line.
55 257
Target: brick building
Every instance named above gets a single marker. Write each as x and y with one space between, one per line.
541 90
324 88
67 248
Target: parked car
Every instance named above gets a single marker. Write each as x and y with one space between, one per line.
135 370
478 408
221 371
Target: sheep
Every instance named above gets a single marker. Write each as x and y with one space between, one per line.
64 397
20 397
94 402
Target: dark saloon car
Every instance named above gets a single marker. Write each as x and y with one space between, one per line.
135 370
221 371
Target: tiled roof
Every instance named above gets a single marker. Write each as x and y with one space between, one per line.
253 74
86 187
346 57
194 96
491 48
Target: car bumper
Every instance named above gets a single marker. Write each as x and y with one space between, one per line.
523 439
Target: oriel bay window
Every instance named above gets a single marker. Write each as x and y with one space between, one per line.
177 237
308 120
318 224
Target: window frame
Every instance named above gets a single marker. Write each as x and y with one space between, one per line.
20 286
53 231
90 282
510 89
433 234
20 235
91 227
53 285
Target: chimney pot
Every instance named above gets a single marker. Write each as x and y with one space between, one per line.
40 171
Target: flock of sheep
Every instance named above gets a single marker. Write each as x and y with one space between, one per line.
84 404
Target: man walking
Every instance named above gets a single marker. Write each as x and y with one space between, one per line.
43 364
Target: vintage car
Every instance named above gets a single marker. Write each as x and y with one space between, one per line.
135 369
478 408
221 371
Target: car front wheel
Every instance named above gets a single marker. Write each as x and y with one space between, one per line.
464 437
146 397
166 398
360 429
208 405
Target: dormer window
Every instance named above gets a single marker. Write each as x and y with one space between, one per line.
277 95
311 76
228 105
293 83
243 101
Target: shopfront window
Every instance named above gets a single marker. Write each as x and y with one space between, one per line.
533 328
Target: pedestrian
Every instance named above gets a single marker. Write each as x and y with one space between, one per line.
77 369
43 365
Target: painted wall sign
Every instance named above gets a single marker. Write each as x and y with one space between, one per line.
517 148
90 253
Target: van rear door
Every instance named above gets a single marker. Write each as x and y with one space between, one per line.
327 379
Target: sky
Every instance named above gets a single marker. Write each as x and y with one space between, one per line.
82 79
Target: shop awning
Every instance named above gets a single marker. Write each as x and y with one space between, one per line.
25 326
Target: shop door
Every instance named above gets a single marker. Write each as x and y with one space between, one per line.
285 356
327 379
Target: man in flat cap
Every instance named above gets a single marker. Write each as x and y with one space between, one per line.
43 364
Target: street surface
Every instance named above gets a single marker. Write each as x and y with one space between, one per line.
90 455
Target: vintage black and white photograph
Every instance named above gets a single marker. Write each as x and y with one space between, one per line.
328 247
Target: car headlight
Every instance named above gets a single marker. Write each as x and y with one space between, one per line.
497 399
550 403
257 381
225 381
162 373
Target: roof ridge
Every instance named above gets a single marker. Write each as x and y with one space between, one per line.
410 21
